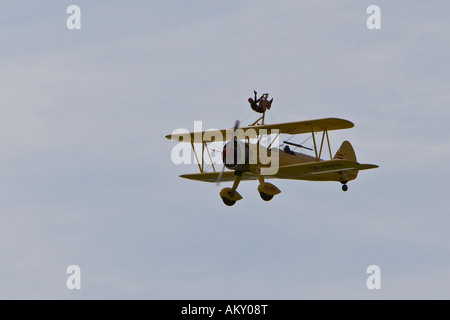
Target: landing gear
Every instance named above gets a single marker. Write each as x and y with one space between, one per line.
228 202
344 180
265 196
266 190
230 195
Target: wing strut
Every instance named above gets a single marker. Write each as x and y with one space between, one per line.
324 134
200 165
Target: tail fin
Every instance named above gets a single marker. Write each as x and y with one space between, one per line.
346 152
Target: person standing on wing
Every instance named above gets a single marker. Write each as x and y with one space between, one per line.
262 104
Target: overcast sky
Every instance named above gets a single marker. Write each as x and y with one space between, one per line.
86 176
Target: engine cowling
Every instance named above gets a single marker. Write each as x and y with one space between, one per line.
236 157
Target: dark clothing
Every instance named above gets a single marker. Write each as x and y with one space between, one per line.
260 105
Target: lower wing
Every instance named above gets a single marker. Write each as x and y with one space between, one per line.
323 170
212 176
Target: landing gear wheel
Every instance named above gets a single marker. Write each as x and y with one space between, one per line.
265 196
344 187
228 202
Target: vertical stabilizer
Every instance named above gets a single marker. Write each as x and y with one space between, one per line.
346 152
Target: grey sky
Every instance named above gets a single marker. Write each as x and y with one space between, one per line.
86 176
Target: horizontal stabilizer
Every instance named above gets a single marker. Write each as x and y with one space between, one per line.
296 171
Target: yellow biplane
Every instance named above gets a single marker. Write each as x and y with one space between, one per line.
247 160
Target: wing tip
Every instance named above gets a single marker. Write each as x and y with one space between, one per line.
349 123
195 177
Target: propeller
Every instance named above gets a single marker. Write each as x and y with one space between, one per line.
219 178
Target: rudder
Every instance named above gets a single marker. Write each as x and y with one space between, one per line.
346 152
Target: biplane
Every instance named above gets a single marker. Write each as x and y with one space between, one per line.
247 158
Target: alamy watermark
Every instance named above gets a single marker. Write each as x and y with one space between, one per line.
74 280
374 20
374 280
73 22
219 148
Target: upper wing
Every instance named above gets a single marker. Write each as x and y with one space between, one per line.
212 176
297 127
300 171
